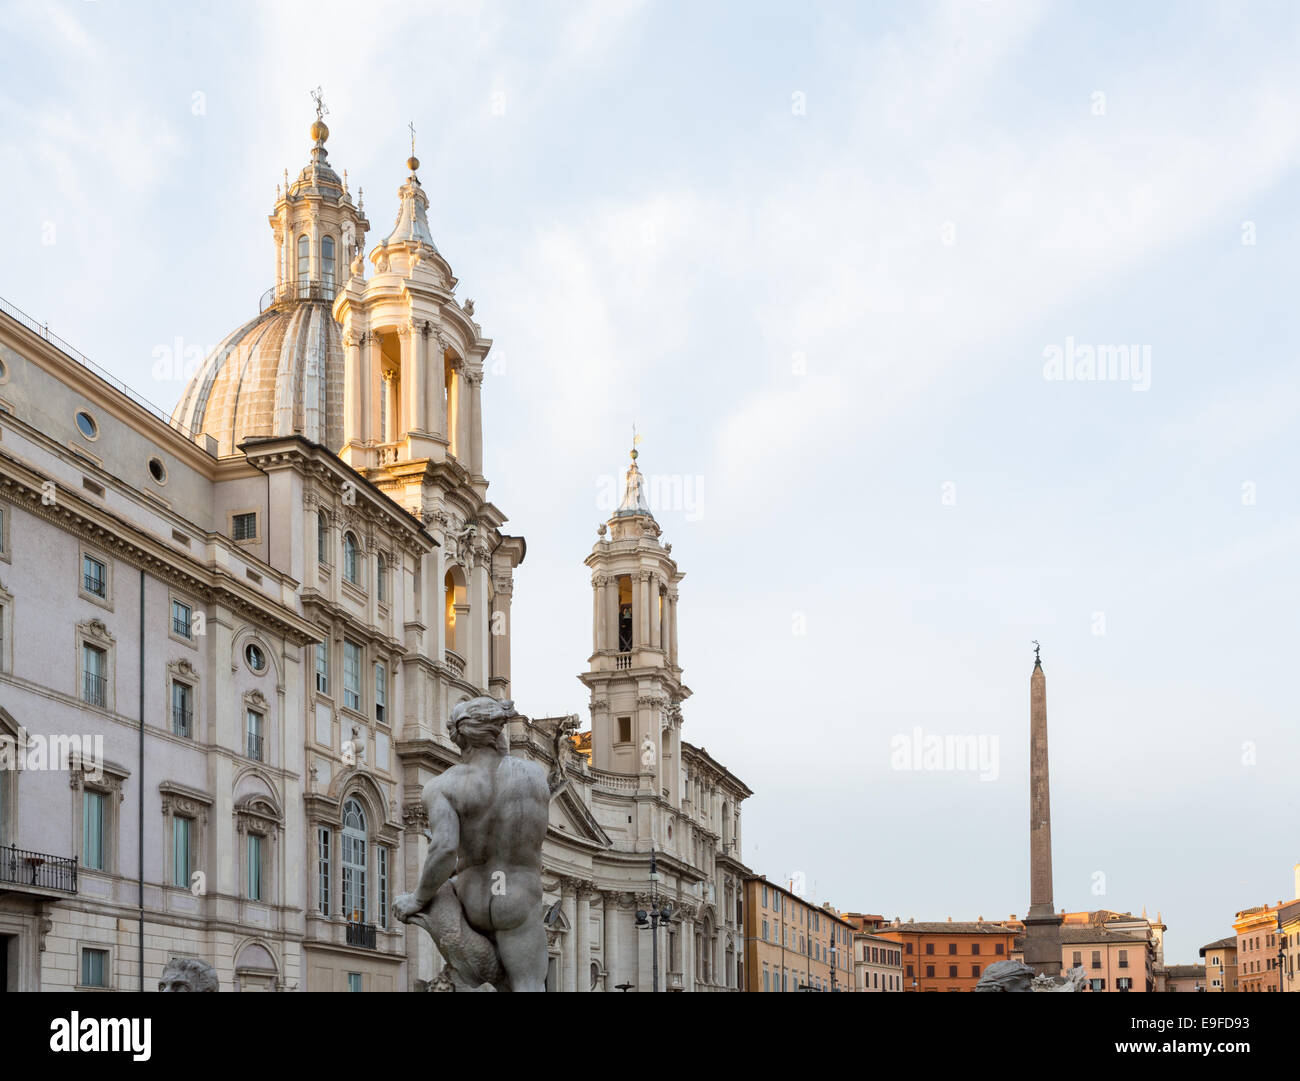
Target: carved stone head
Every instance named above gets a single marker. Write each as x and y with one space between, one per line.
188 974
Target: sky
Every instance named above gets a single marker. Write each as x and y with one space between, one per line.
843 267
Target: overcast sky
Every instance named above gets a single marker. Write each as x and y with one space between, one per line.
824 260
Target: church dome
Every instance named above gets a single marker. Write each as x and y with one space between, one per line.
279 374
282 373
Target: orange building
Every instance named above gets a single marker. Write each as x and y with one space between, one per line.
1257 948
793 945
948 956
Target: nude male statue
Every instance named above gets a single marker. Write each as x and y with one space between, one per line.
480 890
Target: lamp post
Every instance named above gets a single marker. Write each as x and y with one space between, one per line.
834 959
652 920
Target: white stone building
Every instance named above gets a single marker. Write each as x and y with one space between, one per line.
255 616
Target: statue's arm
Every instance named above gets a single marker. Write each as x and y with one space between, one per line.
444 843
440 860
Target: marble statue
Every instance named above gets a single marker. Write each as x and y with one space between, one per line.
188 974
480 891
1017 976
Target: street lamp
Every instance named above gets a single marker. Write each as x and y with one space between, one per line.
834 952
653 919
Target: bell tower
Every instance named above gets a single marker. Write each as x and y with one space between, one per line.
633 674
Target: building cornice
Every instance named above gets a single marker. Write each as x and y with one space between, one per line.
26 488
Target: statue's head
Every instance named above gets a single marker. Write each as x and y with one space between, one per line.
1006 976
188 974
481 722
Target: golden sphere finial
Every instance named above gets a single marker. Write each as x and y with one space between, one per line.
319 132
412 163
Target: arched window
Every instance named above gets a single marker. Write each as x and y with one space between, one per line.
353 857
350 562
304 258
322 537
327 262
381 579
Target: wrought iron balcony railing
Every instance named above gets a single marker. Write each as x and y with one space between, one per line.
361 934
289 292
22 867
254 747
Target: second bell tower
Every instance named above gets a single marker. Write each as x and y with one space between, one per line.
633 674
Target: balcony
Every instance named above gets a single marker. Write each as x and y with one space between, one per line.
253 749
622 661
181 721
288 292
362 935
37 872
455 662
94 689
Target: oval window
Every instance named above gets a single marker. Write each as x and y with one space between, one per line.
255 657
157 470
86 425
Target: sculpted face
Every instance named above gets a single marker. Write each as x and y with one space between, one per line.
188 974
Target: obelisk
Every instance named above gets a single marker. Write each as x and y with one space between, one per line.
1042 924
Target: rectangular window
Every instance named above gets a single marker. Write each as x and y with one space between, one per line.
929 972
952 947
181 619
94 576
1096 958
997 947
952 972
765 930
354 981
381 855
929 947
625 730
182 709
767 980
352 675
92 830
254 724
182 832
381 692
1123 958
94 676
975 947
254 867
323 667
1077 959
243 526
94 968
323 871
975 971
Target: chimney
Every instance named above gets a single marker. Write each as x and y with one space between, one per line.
950 919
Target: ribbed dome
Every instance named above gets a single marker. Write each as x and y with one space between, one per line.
280 374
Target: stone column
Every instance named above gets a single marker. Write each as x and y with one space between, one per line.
415 375
582 937
434 383
353 382
672 628
602 915
611 614
503 588
568 942
464 407
656 640
372 387
642 608
476 424
597 613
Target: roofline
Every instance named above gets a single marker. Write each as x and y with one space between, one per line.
264 442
